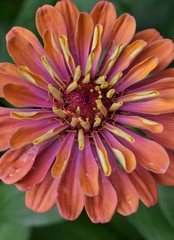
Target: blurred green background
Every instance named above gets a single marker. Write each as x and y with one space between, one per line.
19 223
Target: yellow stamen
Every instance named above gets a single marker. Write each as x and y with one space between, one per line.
101 107
66 52
77 74
71 87
52 73
97 122
110 93
97 88
78 110
115 79
112 59
59 112
118 132
56 93
104 85
85 124
81 139
89 63
86 79
115 106
100 80
74 121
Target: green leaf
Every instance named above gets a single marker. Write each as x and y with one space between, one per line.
13 210
166 203
152 224
9 232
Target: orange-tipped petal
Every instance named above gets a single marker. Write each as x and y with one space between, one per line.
100 208
70 199
42 197
104 13
123 154
155 106
168 177
15 164
28 36
26 96
84 38
49 18
148 35
88 171
162 49
145 185
63 155
151 155
128 199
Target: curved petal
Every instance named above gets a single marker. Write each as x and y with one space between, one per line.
100 208
168 177
42 197
145 185
162 49
49 18
88 171
26 96
70 199
148 35
84 38
15 164
151 155
104 13
40 167
70 14
28 36
128 200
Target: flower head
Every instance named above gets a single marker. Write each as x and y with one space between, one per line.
90 128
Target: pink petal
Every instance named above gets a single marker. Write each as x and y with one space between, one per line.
42 197
15 164
88 171
40 167
145 185
100 208
148 35
70 199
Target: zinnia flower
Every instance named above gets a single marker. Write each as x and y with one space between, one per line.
93 120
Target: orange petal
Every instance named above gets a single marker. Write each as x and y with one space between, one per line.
123 154
168 177
88 171
70 14
128 199
55 55
43 197
104 13
70 199
26 96
49 18
151 155
100 208
84 38
26 135
28 36
148 35
162 49
155 106
165 138
138 72
15 164
63 155
145 185
127 56
40 168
